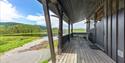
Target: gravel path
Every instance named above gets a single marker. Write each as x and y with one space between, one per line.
32 56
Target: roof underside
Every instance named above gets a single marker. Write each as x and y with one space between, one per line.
75 10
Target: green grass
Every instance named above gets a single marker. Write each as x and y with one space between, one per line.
41 34
10 42
75 31
27 34
79 30
45 61
55 44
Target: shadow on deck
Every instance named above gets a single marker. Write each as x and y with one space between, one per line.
80 50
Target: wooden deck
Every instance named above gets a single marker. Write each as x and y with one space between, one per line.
80 50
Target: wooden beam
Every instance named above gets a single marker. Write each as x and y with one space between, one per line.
49 31
60 31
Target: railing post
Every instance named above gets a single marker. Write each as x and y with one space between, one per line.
60 31
95 22
49 30
87 25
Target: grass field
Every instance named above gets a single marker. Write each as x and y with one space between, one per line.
44 61
79 30
55 44
10 42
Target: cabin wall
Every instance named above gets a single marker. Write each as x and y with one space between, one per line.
106 31
114 36
91 31
121 36
100 34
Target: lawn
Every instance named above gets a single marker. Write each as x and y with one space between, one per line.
10 42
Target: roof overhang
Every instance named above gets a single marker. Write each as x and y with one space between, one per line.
74 10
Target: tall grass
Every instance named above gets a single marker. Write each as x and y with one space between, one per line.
44 61
55 44
10 42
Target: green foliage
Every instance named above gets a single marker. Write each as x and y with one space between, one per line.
11 28
18 29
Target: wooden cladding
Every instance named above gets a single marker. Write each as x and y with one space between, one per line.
100 10
113 6
100 13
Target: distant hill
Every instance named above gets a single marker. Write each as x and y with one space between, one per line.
8 24
11 27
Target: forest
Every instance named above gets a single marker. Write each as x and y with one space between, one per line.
12 28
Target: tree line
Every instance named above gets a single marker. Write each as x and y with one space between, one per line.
11 28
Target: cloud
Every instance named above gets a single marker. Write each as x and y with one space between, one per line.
79 25
34 17
40 20
8 12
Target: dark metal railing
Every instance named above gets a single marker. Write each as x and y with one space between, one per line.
66 38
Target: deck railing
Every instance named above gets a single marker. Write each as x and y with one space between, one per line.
66 38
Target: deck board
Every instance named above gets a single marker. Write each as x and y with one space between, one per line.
78 50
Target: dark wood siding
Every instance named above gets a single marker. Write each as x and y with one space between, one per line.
101 32
114 36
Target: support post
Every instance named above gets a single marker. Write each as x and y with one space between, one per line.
72 29
117 13
87 25
95 28
111 27
124 31
60 31
69 29
107 26
49 31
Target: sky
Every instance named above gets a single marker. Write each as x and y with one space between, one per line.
28 12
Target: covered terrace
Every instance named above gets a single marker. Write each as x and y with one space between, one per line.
93 46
